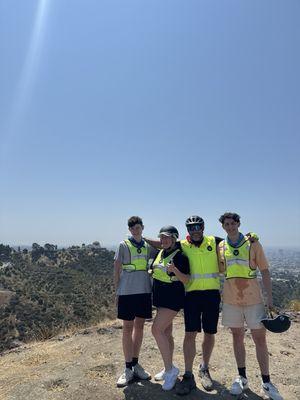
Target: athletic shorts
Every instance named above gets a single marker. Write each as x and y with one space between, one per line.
236 316
201 311
135 305
168 295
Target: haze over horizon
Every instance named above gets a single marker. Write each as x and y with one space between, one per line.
159 109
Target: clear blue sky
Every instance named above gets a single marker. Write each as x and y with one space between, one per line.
154 108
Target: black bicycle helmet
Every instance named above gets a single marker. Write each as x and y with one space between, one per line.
169 230
194 220
277 325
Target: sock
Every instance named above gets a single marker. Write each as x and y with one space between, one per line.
242 372
188 374
135 360
204 367
265 378
128 364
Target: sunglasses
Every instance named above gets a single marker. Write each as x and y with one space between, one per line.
195 228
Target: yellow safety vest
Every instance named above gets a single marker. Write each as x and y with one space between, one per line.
138 258
237 260
204 268
160 267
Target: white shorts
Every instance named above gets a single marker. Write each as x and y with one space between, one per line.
235 316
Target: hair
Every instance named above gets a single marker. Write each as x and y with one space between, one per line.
134 221
231 215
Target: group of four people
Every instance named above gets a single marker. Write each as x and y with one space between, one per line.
186 275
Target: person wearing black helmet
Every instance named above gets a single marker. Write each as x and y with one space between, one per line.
170 272
202 300
243 301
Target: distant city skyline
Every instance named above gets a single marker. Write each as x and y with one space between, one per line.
159 109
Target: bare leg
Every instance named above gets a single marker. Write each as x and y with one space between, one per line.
127 340
262 355
137 335
169 333
189 349
207 347
161 331
239 346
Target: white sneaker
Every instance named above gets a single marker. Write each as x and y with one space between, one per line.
160 376
140 373
239 385
271 391
170 378
125 378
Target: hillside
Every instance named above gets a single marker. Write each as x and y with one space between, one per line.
48 291
84 365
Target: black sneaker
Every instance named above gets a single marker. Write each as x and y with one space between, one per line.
206 380
186 385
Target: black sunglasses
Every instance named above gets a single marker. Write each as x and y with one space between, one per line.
195 228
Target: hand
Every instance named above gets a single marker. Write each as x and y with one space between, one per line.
171 268
253 237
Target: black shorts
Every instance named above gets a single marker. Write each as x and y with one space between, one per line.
168 295
201 311
135 305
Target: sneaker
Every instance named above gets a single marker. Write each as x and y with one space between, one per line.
160 376
170 378
271 391
239 385
186 385
125 378
206 380
140 373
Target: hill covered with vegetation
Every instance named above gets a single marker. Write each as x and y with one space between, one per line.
53 289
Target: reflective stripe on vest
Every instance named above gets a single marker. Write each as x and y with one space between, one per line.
204 268
138 260
160 267
237 260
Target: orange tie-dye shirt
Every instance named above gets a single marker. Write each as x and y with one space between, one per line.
241 291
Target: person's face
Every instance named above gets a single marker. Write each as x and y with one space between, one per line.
196 232
166 241
136 230
231 226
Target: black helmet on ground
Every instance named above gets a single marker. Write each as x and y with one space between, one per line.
277 325
169 230
194 220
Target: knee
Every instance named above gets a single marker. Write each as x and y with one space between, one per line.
238 337
156 330
259 340
127 329
190 337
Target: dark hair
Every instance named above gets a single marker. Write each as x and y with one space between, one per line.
134 221
231 215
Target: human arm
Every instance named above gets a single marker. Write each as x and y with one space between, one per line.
153 242
117 273
184 278
261 261
267 284
180 267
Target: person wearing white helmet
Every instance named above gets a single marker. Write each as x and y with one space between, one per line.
170 273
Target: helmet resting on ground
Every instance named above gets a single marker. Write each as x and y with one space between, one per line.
193 220
169 230
277 325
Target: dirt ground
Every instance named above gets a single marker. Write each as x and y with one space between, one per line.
85 366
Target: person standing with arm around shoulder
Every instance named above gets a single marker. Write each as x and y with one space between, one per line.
243 301
133 297
202 301
170 273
